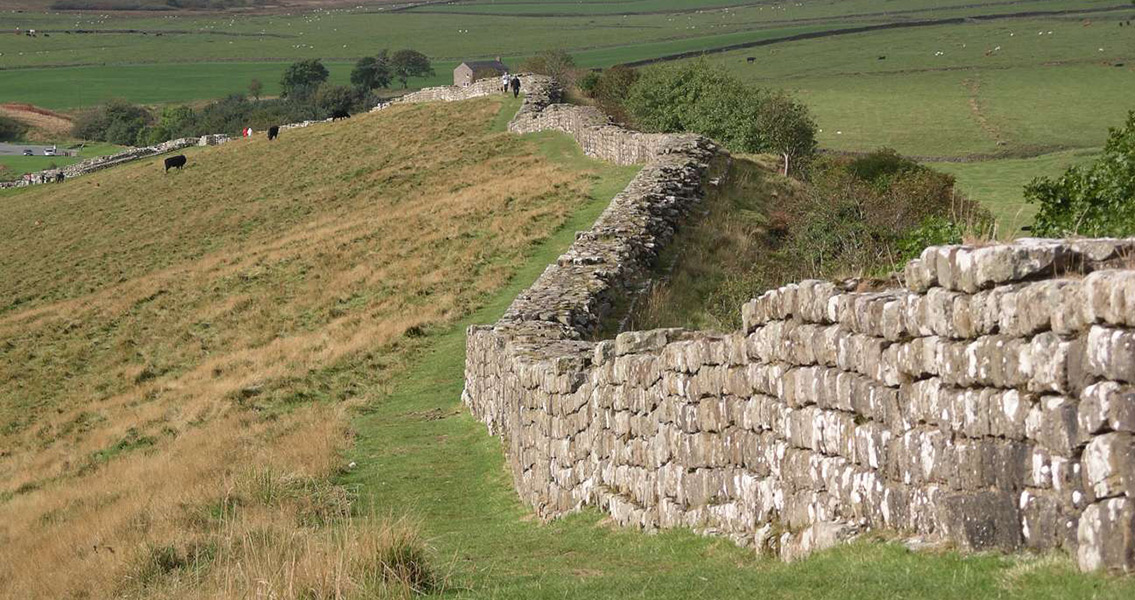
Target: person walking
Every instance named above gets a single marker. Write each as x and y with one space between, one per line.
515 87
504 82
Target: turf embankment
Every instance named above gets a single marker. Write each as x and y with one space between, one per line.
179 351
418 448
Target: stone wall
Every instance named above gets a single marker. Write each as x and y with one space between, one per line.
989 401
99 163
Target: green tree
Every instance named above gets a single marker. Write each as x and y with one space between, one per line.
332 98
555 63
787 128
11 129
698 98
611 89
371 72
410 63
1092 200
255 88
116 121
302 78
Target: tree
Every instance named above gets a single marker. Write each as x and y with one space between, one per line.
255 88
371 72
787 128
333 98
11 129
1091 200
410 63
116 121
699 98
556 63
611 88
302 78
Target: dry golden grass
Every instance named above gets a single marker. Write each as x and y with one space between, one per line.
44 125
161 338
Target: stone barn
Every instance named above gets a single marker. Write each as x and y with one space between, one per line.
470 71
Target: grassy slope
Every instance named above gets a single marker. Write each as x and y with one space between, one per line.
418 448
171 342
18 165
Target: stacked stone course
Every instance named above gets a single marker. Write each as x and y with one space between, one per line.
988 401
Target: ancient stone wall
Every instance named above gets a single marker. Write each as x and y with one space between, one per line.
989 401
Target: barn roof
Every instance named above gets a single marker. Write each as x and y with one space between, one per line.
486 64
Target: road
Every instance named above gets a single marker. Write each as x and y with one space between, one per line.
18 149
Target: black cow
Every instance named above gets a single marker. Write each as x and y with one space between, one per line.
340 114
273 132
59 177
175 161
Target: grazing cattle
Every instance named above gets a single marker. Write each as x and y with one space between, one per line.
882 58
751 59
340 114
175 161
59 177
273 132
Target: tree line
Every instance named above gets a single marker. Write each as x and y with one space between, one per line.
305 94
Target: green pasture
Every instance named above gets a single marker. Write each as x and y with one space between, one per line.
999 184
15 166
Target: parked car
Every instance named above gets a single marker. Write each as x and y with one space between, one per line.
28 152
49 151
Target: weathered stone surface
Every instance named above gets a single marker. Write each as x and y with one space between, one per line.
1106 536
987 403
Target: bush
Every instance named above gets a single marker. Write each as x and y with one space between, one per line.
588 82
555 63
333 98
610 90
117 122
697 98
11 129
1095 200
871 214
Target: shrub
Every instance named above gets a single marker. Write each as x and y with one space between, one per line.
117 122
333 98
555 63
1093 200
588 82
11 129
698 98
610 90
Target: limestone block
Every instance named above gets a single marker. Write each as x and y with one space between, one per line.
1109 464
1106 406
983 520
1106 536
1109 297
1111 353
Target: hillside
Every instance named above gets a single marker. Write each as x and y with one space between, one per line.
178 349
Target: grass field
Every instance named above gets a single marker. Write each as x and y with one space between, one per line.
1019 100
12 167
179 350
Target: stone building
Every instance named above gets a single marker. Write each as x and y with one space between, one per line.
468 72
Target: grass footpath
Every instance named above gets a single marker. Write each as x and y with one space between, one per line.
419 452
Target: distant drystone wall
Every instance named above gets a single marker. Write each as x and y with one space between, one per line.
99 163
989 401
